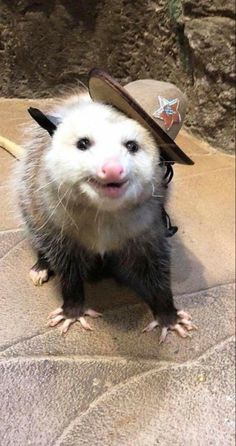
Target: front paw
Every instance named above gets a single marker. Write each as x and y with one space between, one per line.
70 317
182 326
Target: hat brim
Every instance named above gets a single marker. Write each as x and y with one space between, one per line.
103 88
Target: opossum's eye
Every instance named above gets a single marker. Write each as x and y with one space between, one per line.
132 146
83 144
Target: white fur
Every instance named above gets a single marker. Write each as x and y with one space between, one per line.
108 130
62 179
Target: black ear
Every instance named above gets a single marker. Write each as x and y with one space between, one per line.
47 122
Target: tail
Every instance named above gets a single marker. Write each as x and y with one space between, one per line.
11 147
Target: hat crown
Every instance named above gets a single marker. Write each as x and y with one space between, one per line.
163 101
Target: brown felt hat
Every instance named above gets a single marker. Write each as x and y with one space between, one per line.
158 106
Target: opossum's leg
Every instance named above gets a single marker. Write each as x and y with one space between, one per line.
165 314
58 315
72 309
182 326
40 272
152 283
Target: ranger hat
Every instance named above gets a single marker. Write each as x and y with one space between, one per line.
158 106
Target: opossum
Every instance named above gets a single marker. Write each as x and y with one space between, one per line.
91 192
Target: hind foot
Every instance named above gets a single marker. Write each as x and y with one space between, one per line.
39 277
182 326
40 272
58 315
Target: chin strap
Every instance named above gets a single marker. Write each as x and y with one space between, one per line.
169 173
170 230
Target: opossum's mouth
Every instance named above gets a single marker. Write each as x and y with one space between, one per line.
111 189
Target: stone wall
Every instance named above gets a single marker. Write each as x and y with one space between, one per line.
47 44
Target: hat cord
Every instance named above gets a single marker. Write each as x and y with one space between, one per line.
169 173
170 230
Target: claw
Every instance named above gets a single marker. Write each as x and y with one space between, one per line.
188 324
164 333
55 313
180 330
182 326
185 322
85 324
92 313
54 321
38 277
57 316
183 315
66 325
150 326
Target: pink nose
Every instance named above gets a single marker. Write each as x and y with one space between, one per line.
111 170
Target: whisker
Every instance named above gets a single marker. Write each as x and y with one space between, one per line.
67 212
53 211
64 220
45 185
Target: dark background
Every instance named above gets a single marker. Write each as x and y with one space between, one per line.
46 44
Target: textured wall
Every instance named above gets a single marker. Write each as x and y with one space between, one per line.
45 44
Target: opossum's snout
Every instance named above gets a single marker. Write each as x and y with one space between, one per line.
110 180
112 170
